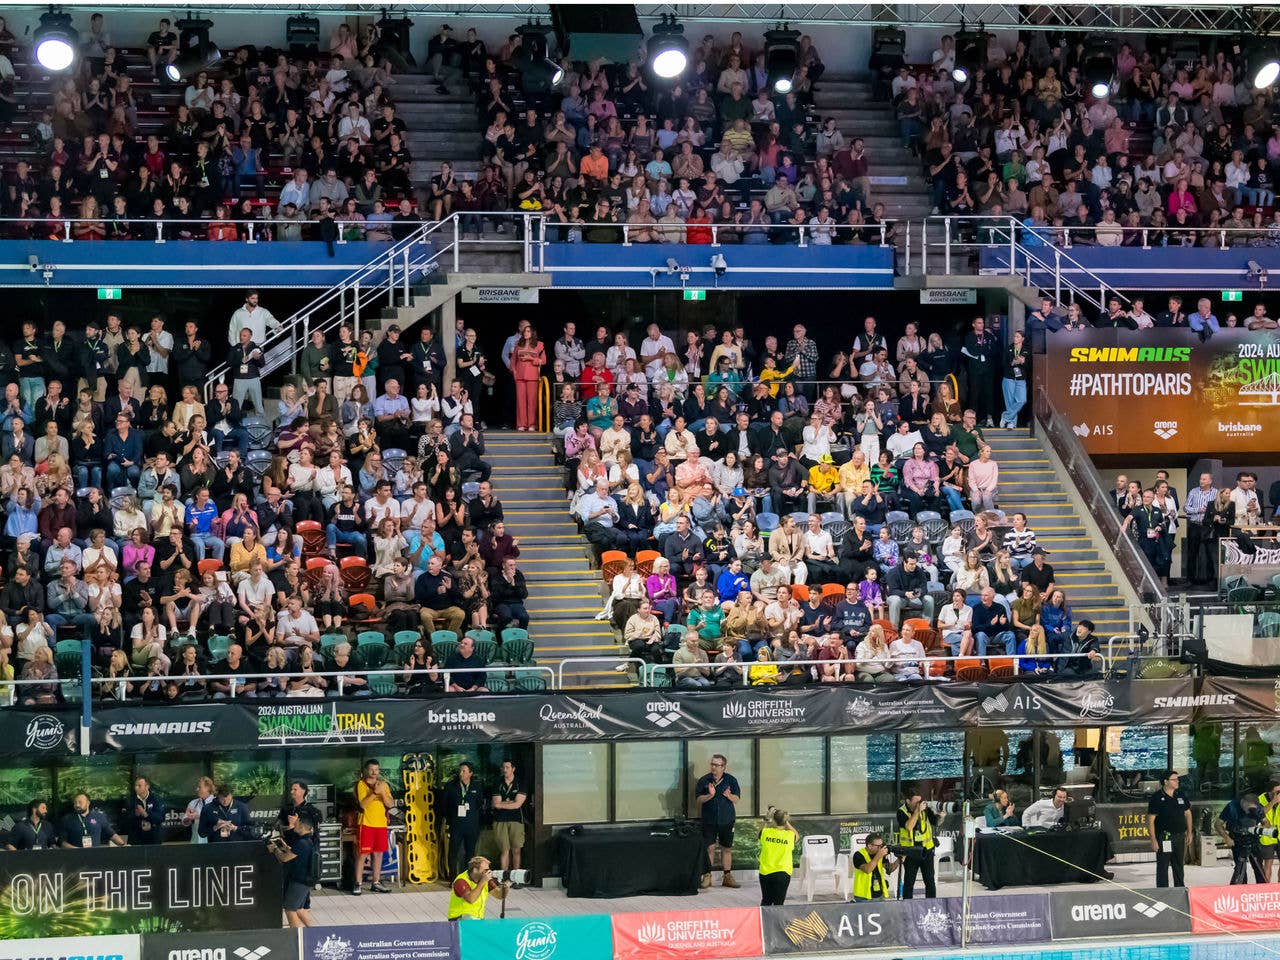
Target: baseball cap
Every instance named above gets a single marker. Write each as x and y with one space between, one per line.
739 491
826 458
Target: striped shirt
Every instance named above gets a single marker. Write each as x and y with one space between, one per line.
1198 501
1020 544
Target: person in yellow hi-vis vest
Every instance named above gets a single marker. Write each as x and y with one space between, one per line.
917 827
872 864
777 844
471 889
1269 847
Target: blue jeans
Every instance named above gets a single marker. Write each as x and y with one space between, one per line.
238 436
119 476
207 543
1019 562
32 389
88 476
694 682
85 621
953 498
510 613
1004 640
1015 398
354 538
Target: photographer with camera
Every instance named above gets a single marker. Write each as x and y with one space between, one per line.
872 864
917 826
1239 825
1170 830
471 890
777 844
301 870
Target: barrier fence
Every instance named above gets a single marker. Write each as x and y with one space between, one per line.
1058 916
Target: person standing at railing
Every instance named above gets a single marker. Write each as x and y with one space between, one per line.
257 319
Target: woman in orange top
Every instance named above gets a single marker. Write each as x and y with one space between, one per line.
527 361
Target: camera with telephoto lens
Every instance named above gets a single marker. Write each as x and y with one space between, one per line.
903 852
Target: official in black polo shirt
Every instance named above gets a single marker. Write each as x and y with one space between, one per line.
1169 827
296 809
34 831
463 800
86 826
144 814
226 819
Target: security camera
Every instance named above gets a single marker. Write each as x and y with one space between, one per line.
33 262
718 264
1255 270
672 266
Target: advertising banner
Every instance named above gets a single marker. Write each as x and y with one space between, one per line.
1114 912
1017 918
1235 909
279 944
638 715
382 941
42 734
109 947
1257 566
1126 825
1229 698
217 886
587 937
834 927
688 934
1178 395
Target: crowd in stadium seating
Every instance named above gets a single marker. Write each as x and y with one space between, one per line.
184 537
751 507
117 145
1177 144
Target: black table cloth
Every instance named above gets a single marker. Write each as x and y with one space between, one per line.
1033 859
630 861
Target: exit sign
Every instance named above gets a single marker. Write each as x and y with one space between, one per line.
1232 296
109 293
695 294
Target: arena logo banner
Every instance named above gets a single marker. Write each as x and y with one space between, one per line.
83 947
688 934
1116 912
834 927
1178 395
383 941
1018 918
587 937
1234 909
176 887
222 945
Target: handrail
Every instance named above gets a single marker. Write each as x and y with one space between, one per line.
1079 467
1007 230
805 232
392 268
615 663
744 666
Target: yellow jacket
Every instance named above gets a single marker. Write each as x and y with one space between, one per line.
823 477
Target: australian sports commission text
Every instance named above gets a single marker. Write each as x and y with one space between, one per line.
1130 384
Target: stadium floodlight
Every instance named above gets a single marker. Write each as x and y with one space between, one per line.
196 51
1262 61
557 72
55 41
1099 67
781 57
971 52
668 48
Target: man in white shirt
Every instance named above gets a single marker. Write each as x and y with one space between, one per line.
159 343
255 591
1138 314
1046 813
653 350
944 58
417 508
296 627
903 442
253 318
381 506
297 191
354 125
1245 497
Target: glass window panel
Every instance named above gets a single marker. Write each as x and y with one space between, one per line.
1081 759
738 752
933 763
1005 759
572 794
1259 752
794 768
1204 753
1137 756
862 774
22 782
337 766
647 784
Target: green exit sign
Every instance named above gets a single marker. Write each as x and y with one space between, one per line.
695 294
1232 296
110 293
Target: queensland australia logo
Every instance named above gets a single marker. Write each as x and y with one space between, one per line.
535 941
763 711
45 732
1097 705
662 713
579 717
333 947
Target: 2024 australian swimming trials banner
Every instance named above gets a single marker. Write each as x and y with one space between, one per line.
621 715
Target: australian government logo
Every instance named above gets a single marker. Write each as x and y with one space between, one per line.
763 711
288 724
334 947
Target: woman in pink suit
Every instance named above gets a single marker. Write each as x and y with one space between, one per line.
527 361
